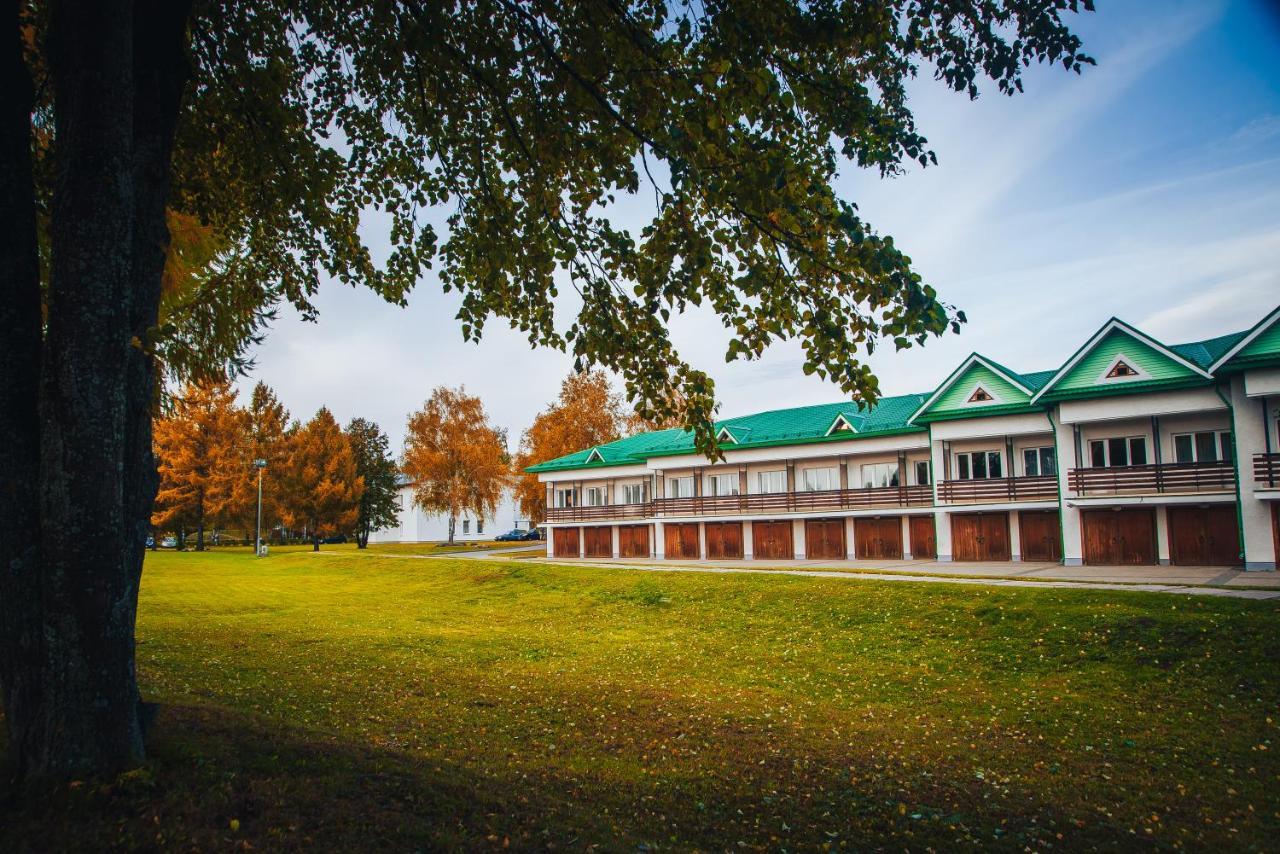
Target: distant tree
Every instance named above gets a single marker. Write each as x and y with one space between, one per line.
587 412
320 484
374 463
455 458
201 453
267 423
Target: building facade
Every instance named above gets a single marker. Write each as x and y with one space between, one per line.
1133 452
417 526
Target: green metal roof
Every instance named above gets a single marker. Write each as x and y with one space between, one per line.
891 415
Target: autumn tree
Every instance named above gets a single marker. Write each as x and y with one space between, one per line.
376 466
267 426
201 453
321 489
588 412
525 122
456 460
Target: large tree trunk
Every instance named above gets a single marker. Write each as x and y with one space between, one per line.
71 695
21 644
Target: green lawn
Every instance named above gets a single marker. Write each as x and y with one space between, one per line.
355 703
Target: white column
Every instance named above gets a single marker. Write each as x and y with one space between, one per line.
850 538
747 546
797 538
942 534
1072 544
941 518
906 537
1015 535
1251 417
551 534
582 542
659 541
702 541
616 551
1162 535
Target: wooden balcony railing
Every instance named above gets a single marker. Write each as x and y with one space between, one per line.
795 502
998 489
1167 477
1266 470
590 514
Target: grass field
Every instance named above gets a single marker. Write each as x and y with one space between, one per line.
357 703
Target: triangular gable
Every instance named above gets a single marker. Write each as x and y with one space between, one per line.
977 384
841 425
1114 343
725 437
595 456
1262 341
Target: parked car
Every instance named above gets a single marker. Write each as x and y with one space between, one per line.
329 541
169 543
513 535
534 534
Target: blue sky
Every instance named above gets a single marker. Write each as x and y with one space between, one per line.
1148 188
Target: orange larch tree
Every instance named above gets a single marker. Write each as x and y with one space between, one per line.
267 438
201 458
321 490
456 459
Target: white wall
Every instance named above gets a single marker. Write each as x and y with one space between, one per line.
416 526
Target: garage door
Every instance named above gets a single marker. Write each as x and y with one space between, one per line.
824 539
564 542
771 540
878 539
1041 534
724 540
1204 536
633 540
980 537
924 538
1119 537
681 540
597 541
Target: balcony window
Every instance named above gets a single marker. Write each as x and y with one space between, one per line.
878 475
1121 451
1037 462
595 496
1204 447
720 484
978 465
818 480
564 498
633 493
922 472
771 481
680 487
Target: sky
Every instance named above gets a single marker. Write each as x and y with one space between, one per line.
1148 189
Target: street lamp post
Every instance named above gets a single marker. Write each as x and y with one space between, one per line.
257 538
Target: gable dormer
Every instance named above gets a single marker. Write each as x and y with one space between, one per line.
841 424
724 437
980 395
595 456
978 387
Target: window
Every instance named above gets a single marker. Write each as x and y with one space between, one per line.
1121 451
978 465
633 493
479 526
1038 461
595 496
771 481
564 498
879 475
1119 370
466 526
1204 447
816 480
922 472
980 395
720 484
680 487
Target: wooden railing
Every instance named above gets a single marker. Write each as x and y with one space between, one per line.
795 502
1167 477
998 489
1266 470
605 511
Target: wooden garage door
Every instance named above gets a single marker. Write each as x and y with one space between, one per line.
597 541
1041 534
633 540
824 539
771 540
924 538
681 540
724 540
564 542
1119 537
1204 536
980 536
878 539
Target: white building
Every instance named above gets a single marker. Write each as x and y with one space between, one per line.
417 526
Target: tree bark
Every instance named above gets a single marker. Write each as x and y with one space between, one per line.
21 642
71 696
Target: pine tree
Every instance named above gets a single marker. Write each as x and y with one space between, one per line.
380 500
320 486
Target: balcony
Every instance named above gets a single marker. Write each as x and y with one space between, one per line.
996 490
597 513
795 502
1266 470
1160 479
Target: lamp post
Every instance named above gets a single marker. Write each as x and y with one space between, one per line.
257 538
